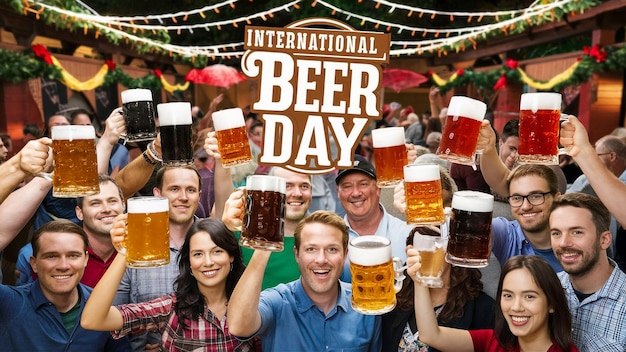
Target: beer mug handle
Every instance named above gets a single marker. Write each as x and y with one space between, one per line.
399 276
45 175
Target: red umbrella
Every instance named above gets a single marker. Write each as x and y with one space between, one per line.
399 79
215 75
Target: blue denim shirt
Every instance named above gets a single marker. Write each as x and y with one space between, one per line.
508 240
30 322
292 322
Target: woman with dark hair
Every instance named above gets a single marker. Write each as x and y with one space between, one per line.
193 318
531 315
460 304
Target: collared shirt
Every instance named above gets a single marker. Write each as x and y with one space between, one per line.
599 321
30 322
207 333
390 227
290 321
508 240
142 285
96 267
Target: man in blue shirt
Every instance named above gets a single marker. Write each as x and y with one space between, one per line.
45 315
531 189
313 313
594 286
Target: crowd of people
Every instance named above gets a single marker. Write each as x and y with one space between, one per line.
553 282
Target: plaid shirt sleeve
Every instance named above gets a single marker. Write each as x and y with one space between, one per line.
148 316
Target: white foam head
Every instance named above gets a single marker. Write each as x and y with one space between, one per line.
421 172
387 137
266 183
171 114
228 118
71 132
472 201
143 205
540 101
467 107
369 250
138 94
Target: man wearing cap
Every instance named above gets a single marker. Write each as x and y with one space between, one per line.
360 197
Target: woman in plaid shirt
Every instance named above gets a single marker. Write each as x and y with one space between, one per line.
194 317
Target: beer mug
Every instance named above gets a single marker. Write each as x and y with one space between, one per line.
75 162
539 125
389 154
422 188
138 111
263 224
461 129
147 239
376 276
232 137
432 251
175 129
469 238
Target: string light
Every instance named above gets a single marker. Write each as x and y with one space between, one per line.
432 40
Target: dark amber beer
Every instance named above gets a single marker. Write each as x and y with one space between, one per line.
470 229
175 129
389 154
148 234
432 251
138 111
232 137
460 132
372 271
263 224
75 162
422 189
539 124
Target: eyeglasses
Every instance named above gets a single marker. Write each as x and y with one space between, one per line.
600 154
533 198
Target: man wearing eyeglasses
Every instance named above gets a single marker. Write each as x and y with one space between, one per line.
530 191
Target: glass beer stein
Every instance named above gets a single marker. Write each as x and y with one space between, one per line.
469 237
232 137
389 154
461 129
147 238
376 276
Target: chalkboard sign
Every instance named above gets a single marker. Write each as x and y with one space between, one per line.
106 101
53 96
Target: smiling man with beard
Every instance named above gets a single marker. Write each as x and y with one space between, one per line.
594 285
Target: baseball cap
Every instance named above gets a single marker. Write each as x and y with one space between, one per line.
360 165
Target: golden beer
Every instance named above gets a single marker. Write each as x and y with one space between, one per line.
389 154
539 123
432 251
232 137
75 161
148 234
460 132
372 271
422 188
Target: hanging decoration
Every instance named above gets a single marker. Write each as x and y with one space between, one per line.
33 63
37 62
151 33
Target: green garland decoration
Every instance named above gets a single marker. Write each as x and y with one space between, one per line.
16 67
593 60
